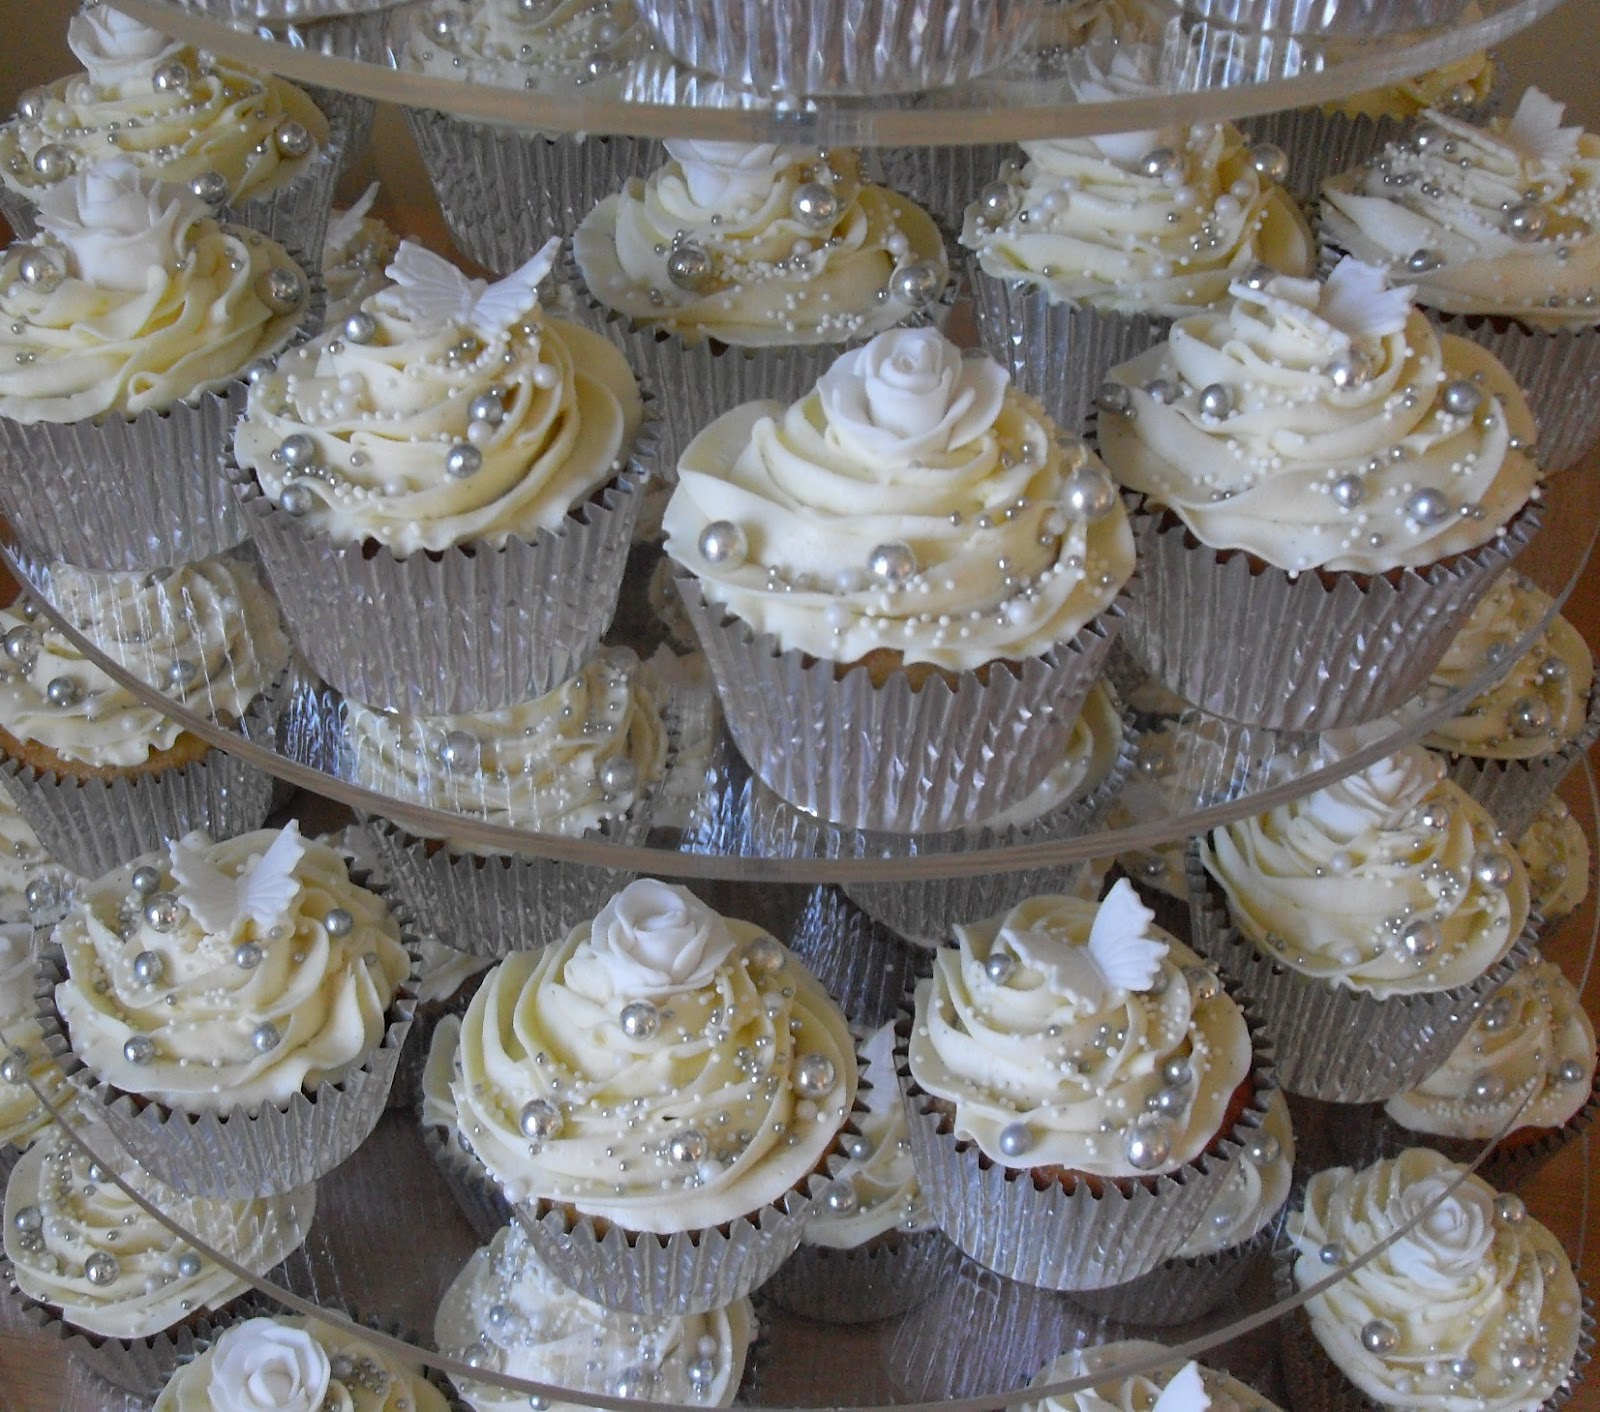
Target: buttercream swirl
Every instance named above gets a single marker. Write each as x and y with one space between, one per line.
770 275
1373 882
575 759
1463 1290
33 887
28 1063
1540 702
1312 432
516 1318
80 1244
1177 1387
509 44
1255 1190
1529 1057
209 115
947 538
287 989
290 1364
435 431
146 301
1506 215
680 1069
1023 1028
1555 851
355 255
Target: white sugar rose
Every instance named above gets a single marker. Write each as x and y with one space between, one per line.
261 1366
718 174
655 939
118 225
1380 796
908 395
1453 1235
115 48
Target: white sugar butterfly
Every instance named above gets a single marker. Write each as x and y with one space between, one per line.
1357 299
1535 130
434 291
1185 1392
219 901
1118 956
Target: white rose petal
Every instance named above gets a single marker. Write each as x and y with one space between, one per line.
118 225
656 939
719 173
1453 1235
262 1366
115 48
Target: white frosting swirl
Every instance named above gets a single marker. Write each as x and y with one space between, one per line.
114 47
665 1114
1332 884
33 887
80 1244
1177 1387
508 44
1255 1190
115 224
259 1366
985 560
1329 432
1057 1059
1555 851
506 1310
1465 1288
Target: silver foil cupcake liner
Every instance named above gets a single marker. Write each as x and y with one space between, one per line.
878 1280
294 214
1056 352
1181 1289
276 12
1320 143
944 181
477 1195
842 46
507 190
1045 1233
240 1153
468 629
1340 1045
864 965
1296 652
838 746
1558 372
1345 19
1514 791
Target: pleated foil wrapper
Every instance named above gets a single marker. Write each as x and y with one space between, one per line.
1514 791
866 967
1558 372
1332 1043
889 757
878 1280
1051 1236
477 1195
241 1153
273 12
507 190
1294 652
868 47
468 629
294 214
1180 1289
350 117
944 181
1345 19
1320 144
1056 352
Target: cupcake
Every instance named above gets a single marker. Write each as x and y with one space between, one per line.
635 1190
736 271
297 1363
99 774
1085 257
1469 1300
477 1195
506 1313
443 489
288 1005
28 1068
1325 481
253 147
356 252
1555 851
1175 1384
909 561
1512 744
1080 1089
34 888
1494 223
131 1296
1370 920
126 330
582 761
871 1251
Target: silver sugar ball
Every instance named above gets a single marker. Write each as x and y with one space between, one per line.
148 967
1270 161
1428 506
688 1147
295 500
1158 161
189 1265
459 750
487 407
893 563
14 1067
1216 400
292 140
1015 1140
1496 1014
338 922
1350 368
1571 1072
917 282
998 201
688 267
53 162
63 691
1487 1088
1491 868
1162 390
265 1037
1379 1336
1147 1146
28 1219
463 460
1169 1101
701 1371
282 289
247 955
1349 491
814 1075
360 327
1522 1357
297 451
1264 1149
181 671
101 1269
639 1019
1203 983
539 1120
1461 398
36 268
1330 1254
618 777
146 880
210 187
765 956
633 1383
32 105
1114 398
999 967
1177 1070
1259 276
1088 493
162 911
21 646
1421 939
1509 1209
723 543
840 1198
1530 716
139 1050
1525 220
814 206
1421 260
1463 1369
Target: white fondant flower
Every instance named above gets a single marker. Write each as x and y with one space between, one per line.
431 290
1185 1392
1535 130
656 939
117 224
219 901
1357 300
1134 72
718 174
115 48
261 1366
1378 797
1452 1235
909 394
1118 957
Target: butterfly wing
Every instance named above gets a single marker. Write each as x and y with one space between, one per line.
431 288
503 303
1126 958
1185 1392
1356 298
269 888
210 894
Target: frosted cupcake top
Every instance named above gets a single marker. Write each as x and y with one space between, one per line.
505 1312
911 501
1541 701
1177 1387
34 888
296 1365
225 975
1555 851
1461 83
761 245
1053 1028
185 117
80 1244
663 1067
516 43
1491 219
1322 426
1391 881
1527 1062
446 410
356 253
1476 1305
1155 223
575 759
22 1116
133 299
1255 1189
